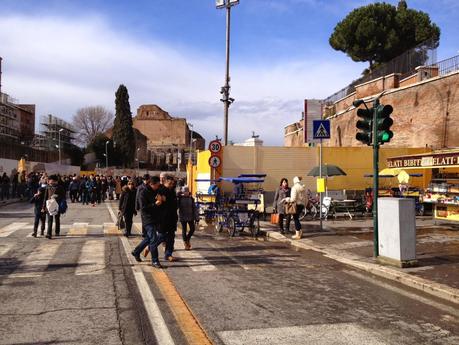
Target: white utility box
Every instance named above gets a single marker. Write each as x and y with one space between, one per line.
397 231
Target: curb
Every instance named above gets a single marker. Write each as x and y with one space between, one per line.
432 288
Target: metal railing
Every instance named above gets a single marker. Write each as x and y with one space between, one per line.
447 66
404 64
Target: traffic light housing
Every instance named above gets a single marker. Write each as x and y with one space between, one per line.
365 125
383 123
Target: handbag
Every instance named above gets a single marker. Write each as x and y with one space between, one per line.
120 223
290 207
274 218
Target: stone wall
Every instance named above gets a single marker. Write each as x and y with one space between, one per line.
426 114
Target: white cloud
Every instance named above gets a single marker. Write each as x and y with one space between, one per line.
62 64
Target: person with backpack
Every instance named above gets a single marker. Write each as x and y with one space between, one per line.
297 198
53 204
187 215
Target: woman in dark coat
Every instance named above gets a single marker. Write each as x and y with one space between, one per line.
281 193
127 205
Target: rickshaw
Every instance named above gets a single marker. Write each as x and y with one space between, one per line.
242 209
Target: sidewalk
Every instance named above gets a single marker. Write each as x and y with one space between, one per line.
351 242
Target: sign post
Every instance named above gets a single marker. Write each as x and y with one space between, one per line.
215 160
321 130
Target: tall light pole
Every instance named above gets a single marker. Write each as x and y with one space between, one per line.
106 154
191 141
60 130
225 90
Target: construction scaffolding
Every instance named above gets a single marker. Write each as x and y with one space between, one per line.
53 131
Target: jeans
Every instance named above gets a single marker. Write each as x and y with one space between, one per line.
50 224
281 221
153 239
296 217
39 217
128 220
85 197
187 237
170 241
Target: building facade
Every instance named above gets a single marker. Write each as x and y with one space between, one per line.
17 121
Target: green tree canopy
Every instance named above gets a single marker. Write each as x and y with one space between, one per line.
379 32
123 133
97 145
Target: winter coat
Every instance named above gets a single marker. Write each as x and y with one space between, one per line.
170 210
297 193
53 191
279 197
187 209
127 201
38 201
118 187
150 212
137 199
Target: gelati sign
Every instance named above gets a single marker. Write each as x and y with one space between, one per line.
425 161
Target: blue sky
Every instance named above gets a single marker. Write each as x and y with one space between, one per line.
63 55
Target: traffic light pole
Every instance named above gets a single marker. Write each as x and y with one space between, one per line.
375 180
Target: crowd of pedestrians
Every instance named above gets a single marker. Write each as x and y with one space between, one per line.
158 199
160 206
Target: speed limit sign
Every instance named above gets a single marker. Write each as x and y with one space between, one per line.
214 162
215 146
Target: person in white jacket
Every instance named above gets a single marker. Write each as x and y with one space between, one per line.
297 195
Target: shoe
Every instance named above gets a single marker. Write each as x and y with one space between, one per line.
298 235
48 237
34 234
42 233
282 232
57 234
187 245
136 257
170 258
156 265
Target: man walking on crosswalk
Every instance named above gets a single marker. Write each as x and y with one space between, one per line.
151 207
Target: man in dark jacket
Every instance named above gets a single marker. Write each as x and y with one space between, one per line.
170 217
140 188
57 192
127 206
151 208
40 216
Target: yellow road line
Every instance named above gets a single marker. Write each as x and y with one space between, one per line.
194 333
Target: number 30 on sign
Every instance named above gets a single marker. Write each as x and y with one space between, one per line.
214 161
215 146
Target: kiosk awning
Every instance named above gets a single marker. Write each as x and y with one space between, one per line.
437 159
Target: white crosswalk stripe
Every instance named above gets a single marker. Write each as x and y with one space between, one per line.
195 260
92 258
36 263
9 229
5 248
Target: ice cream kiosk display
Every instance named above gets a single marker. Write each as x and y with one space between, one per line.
443 190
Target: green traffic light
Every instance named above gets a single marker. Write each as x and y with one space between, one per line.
385 137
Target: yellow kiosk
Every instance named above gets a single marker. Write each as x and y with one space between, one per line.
443 190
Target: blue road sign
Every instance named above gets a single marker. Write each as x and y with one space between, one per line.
321 129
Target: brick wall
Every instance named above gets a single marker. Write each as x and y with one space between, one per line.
425 114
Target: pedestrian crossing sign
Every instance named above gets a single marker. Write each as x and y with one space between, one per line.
321 129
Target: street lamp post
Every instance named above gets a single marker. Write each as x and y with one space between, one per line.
106 154
60 130
191 141
225 90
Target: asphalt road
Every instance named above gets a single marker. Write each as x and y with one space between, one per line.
84 288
